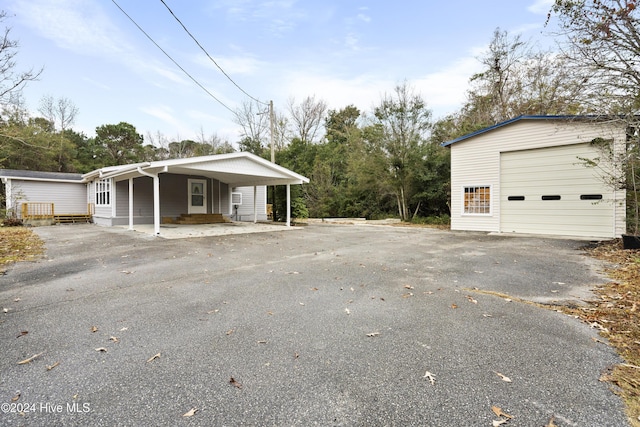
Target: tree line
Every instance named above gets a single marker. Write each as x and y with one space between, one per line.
387 161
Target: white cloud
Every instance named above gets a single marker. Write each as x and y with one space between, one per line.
541 7
445 90
166 115
80 26
231 64
364 18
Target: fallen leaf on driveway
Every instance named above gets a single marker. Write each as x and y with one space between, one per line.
498 423
22 333
114 339
499 412
373 334
430 376
94 329
16 397
126 272
408 287
154 357
504 378
551 423
30 359
101 349
471 300
454 306
407 295
190 413
230 331
235 383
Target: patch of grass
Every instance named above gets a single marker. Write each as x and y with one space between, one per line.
18 244
438 220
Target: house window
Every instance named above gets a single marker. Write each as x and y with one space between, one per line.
477 200
103 192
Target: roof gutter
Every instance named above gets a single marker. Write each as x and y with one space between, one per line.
122 171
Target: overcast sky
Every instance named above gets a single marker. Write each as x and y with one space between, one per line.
342 51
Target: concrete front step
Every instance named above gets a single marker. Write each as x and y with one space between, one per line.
196 219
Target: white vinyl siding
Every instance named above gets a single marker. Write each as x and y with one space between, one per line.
477 161
245 210
551 181
67 197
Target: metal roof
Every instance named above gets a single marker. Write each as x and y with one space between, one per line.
236 169
40 176
524 117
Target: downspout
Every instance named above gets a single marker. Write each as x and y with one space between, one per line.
156 198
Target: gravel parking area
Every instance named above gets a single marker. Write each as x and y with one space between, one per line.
330 325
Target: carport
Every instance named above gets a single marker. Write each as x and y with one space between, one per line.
199 184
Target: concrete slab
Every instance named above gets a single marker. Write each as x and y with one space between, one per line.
179 231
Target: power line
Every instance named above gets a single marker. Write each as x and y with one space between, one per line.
172 60
209 56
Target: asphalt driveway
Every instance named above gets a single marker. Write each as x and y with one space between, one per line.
326 325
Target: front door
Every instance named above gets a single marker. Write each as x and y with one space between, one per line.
197 196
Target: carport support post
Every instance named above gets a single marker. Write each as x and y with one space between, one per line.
156 205
288 205
131 204
255 207
156 198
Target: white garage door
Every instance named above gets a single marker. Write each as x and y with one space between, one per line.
549 191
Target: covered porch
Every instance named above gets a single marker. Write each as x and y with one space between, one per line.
230 185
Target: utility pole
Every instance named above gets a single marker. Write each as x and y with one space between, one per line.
273 156
271 120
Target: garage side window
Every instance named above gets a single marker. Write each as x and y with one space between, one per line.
103 192
477 200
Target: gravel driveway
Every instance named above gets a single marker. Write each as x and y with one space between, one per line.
327 325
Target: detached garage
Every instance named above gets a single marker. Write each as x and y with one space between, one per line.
526 175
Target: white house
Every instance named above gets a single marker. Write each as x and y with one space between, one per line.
233 185
526 175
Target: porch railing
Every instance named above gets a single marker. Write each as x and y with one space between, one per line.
46 210
37 210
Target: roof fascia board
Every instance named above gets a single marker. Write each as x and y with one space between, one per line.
25 178
508 122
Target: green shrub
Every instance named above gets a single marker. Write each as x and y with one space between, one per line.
11 222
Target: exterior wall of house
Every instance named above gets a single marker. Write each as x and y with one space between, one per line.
245 211
475 162
67 197
174 200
